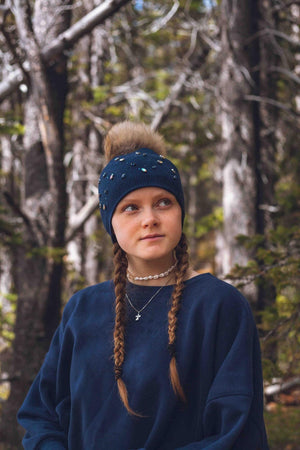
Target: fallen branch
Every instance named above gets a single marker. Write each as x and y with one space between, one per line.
277 388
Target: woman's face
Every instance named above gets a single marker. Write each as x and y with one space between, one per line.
147 225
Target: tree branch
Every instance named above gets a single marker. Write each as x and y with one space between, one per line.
12 49
292 76
17 210
174 93
78 220
279 7
272 32
69 37
270 101
162 21
9 85
66 40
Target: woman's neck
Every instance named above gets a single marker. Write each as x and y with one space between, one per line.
144 270
152 273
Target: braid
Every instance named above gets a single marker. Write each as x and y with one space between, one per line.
181 269
120 263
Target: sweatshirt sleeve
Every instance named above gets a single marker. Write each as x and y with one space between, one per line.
233 414
42 413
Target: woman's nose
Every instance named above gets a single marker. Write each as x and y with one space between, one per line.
149 218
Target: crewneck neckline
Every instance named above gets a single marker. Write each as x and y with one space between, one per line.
188 282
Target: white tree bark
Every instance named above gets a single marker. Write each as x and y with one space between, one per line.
238 147
65 41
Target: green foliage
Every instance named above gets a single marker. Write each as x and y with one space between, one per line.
11 127
210 222
7 317
283 428
9 233
114 111
277 264
54 253
275 268
100 94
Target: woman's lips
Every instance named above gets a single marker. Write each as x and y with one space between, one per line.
152 237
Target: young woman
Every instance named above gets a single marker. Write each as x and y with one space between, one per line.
160 358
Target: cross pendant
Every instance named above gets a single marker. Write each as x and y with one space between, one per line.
137 317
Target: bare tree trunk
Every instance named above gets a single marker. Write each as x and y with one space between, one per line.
38 259
266 156
268 116
6 168
240 127
87 157
95 159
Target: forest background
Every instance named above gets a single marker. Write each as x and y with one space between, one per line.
220 80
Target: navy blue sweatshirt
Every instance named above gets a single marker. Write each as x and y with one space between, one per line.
74 402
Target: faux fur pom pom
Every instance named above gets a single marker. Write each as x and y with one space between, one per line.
126 137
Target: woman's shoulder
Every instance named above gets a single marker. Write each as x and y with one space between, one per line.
106 287
209 281
84 298
214 293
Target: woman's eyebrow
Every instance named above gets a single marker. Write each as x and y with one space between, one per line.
155 197
130 200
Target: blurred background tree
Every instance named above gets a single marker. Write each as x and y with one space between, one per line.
219 80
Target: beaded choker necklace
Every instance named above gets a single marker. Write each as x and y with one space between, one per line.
131 277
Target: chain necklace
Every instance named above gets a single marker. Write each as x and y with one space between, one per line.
130 276
138 311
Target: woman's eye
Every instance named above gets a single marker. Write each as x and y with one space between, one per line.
164 202
130 208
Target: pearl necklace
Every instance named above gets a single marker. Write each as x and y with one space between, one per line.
130 276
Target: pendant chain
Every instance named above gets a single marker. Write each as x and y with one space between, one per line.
138 315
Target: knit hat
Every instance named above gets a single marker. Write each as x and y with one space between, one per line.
135 170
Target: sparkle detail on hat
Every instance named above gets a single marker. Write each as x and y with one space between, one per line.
135 170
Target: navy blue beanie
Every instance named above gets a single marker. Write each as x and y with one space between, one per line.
139 169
